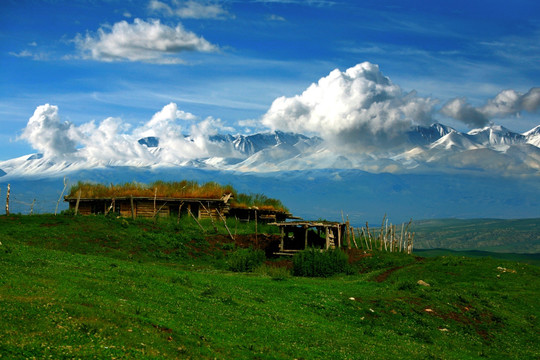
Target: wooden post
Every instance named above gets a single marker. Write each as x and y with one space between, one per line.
60 198
209 214
132 206
194 218
348 224
78 200
369 237
256 235
225 223
179 212
401 237
7 199
327 237
282 238
157 213
306 237
155 197
353 239
381 233
110 208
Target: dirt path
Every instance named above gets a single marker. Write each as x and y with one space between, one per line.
383 276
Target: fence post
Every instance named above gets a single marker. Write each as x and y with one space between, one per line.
78 201
7 199
60 198
132 206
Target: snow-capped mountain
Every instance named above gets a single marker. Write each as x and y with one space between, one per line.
424 149
533 136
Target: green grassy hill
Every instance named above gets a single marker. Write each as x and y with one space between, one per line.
96 287
494 235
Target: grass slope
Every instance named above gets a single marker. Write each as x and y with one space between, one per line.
495 235
98 287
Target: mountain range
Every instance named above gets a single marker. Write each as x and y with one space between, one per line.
435 172
437 148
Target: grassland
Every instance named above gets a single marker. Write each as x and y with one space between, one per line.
493 235
102 287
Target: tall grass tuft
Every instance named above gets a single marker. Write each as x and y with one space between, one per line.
245 260
316 263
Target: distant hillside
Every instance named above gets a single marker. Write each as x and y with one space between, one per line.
495 235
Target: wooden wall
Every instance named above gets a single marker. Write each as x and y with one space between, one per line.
145 208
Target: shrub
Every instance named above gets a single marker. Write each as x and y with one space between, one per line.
313 262
277 273
244 260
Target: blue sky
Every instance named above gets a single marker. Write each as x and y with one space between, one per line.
230 60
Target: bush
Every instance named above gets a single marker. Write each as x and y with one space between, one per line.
317 263
244 260
275 272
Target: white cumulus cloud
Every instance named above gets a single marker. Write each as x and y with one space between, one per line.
182 136
359 107
47 134
142 41
164 122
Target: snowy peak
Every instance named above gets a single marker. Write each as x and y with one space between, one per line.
454 141
533 136
251 144
496 135
424 148
421 135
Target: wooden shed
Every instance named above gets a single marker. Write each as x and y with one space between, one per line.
299 235
262 214
149 207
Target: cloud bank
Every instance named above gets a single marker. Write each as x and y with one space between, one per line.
359 107
506 103
360 117
114 140
142 41
190 9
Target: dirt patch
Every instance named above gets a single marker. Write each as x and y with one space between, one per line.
48 225
281 263
163 329
268 243
356 255
383 276
475 320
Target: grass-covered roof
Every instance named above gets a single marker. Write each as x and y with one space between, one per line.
177 189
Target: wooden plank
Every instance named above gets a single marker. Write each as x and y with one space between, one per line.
132 205
225 223
194 218
78 201
327 238
282 238
179 212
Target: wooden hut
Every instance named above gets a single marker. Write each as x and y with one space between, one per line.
299 235
262 214
149 207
